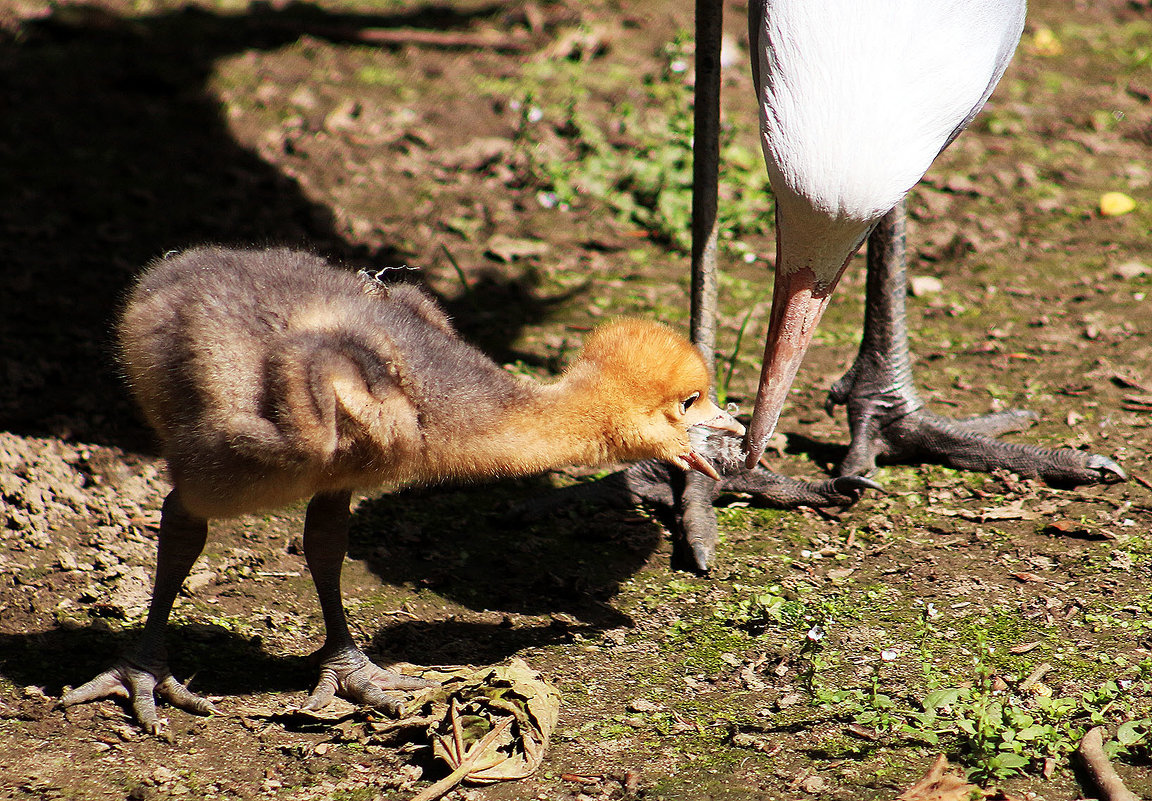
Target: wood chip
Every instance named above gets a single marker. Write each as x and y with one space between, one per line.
581 778
1025 647
1035 676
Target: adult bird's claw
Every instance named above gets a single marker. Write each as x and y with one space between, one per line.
854 486
348 673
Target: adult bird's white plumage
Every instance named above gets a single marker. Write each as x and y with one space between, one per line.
856 100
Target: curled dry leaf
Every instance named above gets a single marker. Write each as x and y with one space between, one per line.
940 784
491 725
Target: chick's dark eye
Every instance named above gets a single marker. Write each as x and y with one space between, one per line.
686 404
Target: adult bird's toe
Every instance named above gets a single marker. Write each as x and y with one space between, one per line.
850 488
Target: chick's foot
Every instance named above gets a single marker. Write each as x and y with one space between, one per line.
140 685
351 675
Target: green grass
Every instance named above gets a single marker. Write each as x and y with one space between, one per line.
639 165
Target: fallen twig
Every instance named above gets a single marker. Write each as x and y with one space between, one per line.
1107 780
473 761
1035 676
480 40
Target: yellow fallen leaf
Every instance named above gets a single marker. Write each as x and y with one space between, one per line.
478 704
1114 204
1045 43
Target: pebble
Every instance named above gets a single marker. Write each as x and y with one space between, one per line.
921 285
1130 270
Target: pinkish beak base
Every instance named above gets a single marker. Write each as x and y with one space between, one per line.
797 305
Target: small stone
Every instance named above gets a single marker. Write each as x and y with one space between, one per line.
814 785
163 775
643 705
921 285
509 249
1132 269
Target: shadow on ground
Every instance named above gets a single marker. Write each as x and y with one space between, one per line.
114 152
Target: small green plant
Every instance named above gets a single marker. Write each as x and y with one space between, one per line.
642 167
997 730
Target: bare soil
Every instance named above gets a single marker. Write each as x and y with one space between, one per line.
133 127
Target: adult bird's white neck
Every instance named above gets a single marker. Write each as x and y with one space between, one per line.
856 100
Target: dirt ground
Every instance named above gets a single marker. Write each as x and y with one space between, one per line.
460 141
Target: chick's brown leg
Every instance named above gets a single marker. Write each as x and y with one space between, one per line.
887 417
344 669
144 674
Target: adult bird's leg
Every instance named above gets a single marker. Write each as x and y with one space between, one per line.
689 496
344 668
888 419
144 674
693 492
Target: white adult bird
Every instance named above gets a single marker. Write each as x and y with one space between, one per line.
856 101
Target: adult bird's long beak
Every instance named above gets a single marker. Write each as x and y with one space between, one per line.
798 302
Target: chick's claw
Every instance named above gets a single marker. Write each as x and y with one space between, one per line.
141 686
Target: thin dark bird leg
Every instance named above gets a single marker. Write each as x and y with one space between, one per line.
888 419
344 669
145 674
697 537
694 492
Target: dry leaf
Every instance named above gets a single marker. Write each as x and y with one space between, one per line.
940 786
479 704
1115 204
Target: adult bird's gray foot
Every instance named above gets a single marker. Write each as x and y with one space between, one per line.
888 419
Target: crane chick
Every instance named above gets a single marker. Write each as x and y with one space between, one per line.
271 376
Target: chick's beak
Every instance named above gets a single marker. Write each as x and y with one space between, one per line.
707 414
694 461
